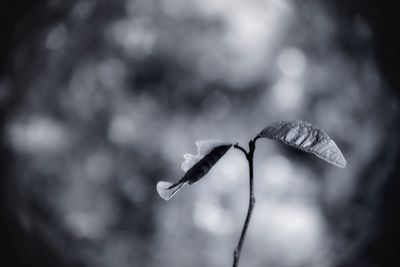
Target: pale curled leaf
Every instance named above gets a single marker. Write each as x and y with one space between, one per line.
189 161
307 137
195 166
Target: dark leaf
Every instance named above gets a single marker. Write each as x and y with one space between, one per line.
195 166
307 137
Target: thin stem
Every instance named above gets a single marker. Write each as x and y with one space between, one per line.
252 202
241 149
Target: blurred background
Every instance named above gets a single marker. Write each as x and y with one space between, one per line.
100 99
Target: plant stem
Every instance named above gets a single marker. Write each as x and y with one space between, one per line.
252 202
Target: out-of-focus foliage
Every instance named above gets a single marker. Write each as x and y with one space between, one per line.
105 96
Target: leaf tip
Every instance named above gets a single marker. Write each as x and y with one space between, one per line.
167 190
341 163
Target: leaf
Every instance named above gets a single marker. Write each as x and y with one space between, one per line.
195 166
203 148
307 137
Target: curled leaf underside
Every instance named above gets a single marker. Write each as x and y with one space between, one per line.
195 167
307 137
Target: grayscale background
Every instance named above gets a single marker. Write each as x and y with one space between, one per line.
100 99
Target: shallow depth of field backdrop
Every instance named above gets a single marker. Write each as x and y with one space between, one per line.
100 100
